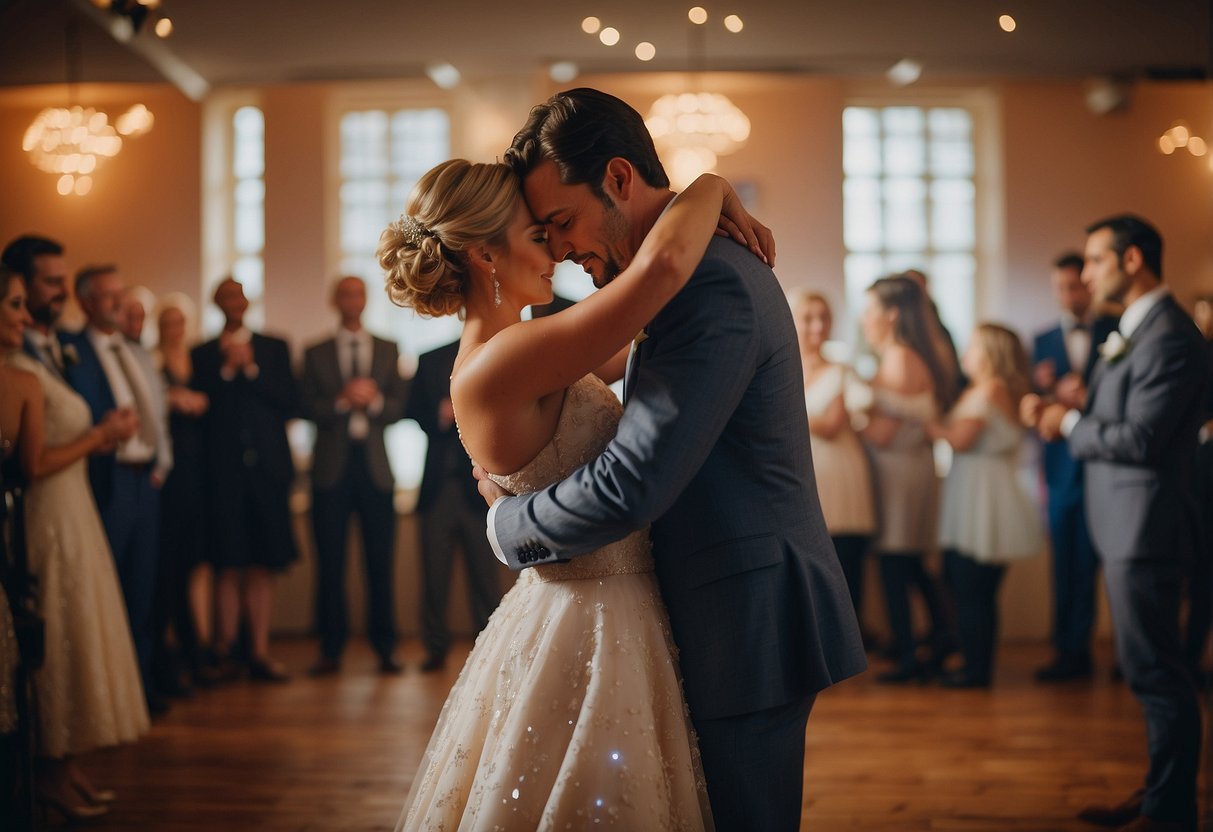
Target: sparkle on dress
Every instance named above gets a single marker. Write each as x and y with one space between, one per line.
569 712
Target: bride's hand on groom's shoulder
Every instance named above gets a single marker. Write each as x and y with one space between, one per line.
738 224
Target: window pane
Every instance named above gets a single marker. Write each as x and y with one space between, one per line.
952 281
364 144
861 156
862 227
903 121
248 146
905 215
861 122
950 123
250 273
952 215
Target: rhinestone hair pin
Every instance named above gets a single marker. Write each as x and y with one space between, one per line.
414 232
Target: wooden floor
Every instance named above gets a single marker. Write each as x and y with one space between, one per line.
340 753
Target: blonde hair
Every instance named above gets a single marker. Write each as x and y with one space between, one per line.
1008 360
800 296
456 205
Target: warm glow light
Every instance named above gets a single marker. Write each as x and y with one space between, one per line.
1197 146
164 27
445 76
562 71
687 163
645 51
698 15
66 183
1166 144
1179 134
733 23
75 141
698 120
609 36
83 185
904 72
591 25
1007 23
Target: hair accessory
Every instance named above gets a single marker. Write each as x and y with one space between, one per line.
496 287
414 232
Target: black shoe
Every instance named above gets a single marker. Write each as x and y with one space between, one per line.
260 670
324 666
1114 816
1065 668
390 666
961 680
433 663
904 673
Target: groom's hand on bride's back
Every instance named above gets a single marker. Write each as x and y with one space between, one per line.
489 490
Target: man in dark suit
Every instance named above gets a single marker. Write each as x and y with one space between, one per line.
40 262
247 378
352 390
449 511
1137 438
111 372
1064 357
713 450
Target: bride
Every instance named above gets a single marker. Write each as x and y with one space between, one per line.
569 710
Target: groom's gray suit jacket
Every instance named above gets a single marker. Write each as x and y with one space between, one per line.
1138 437
713 451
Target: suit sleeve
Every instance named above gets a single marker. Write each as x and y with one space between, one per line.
422 407
704 352
1158 399
275 384
318 404
394 391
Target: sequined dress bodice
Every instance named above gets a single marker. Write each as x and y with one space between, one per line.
587 424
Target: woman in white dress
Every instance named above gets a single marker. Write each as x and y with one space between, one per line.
844 477
88 690
569 711
987 519
907 393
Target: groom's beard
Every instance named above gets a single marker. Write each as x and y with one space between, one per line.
615 232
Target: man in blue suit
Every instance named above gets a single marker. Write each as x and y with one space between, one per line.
1064 356
713 450
112 372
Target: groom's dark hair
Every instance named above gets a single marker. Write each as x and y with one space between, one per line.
1130 230
581 130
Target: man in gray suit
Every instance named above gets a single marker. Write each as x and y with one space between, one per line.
352 390
713 451
1137 435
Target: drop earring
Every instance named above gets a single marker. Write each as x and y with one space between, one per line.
496 287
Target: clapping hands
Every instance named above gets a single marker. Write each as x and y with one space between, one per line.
116 427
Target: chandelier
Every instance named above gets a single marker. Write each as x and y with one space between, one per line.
694 129
73 141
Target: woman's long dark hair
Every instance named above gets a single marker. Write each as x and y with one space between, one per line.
913 330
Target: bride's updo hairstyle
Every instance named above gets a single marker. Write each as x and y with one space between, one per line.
456 205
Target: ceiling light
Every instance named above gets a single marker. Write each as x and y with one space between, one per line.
1179 134
444 75
1166 144
609 36
562 71
1007 23
591 25
698 15
645 51
733 23
1197 146
164 27
904 72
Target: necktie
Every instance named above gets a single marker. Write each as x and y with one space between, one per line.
147 431
355 369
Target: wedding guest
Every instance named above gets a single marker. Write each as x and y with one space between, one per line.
136 301
352 389
1200 590
987 520
186 602
1137 436
113 372
908 392
941 338
40 262
88 690
1063 356
247 379
839 461
450 513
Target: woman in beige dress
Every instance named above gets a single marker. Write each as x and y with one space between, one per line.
907 394
844 477
88 691
569 711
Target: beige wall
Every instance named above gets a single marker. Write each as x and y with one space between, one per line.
1058 167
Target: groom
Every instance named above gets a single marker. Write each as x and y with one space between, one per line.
713 451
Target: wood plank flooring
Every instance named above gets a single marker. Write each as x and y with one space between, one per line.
339 753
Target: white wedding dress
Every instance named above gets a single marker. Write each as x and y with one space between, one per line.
569 712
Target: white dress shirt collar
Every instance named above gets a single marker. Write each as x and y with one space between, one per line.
1138 309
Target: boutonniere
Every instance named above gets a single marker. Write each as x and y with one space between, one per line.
70 357
1114 347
